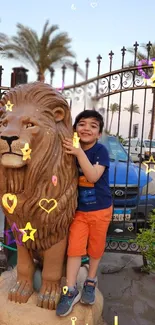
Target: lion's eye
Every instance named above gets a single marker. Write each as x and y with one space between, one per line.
29 125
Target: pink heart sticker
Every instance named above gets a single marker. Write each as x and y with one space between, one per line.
54 180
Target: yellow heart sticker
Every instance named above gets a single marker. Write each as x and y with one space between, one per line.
65 289
73 320
48 201
130 228
11 197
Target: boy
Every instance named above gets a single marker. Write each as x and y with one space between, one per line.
94 211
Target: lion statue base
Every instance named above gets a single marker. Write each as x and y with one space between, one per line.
30 314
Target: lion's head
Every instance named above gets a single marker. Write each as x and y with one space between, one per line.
39 117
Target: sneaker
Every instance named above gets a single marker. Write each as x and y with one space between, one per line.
67 302
88 293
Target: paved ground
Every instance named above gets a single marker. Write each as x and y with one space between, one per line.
127 294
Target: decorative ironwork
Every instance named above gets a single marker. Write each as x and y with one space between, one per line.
121 80
118 245
103 85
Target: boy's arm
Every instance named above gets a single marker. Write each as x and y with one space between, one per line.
91 172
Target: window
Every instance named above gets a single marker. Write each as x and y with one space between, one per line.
115 149
126 143
133 143
135 130
147 144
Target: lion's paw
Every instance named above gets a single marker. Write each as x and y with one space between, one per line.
49 295
20 292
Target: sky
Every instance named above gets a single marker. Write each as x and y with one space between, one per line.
94 29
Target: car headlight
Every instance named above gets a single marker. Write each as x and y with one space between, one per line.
151 188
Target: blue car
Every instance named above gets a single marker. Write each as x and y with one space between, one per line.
132 198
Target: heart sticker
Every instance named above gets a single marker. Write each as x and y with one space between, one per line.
73 320
65 289
130 228
54 180
94 4
11 197
48 201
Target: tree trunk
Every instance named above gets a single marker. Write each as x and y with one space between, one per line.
41 77
151 132
112 115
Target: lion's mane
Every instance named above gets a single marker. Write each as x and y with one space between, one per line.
33 182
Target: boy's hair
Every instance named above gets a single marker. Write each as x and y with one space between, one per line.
88 114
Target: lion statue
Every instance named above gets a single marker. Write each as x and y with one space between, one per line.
37 118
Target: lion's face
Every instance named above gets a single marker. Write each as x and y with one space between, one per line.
19 127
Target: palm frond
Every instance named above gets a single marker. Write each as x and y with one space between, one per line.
43 52
3 41
114 108
132 108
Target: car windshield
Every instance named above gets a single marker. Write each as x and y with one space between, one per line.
115 149
133 143
147 144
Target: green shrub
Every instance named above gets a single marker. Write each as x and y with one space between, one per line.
146 242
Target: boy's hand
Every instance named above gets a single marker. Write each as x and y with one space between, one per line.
68 144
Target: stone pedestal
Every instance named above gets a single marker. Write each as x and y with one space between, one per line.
29 314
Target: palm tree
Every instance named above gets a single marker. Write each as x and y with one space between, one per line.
113 108
133 108
144 56
40 52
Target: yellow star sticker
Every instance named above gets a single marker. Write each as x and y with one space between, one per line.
9 106
26 152
146 163
76 140
25 236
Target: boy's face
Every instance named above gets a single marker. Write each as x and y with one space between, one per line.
88 130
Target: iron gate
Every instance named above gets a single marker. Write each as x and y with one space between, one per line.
131 185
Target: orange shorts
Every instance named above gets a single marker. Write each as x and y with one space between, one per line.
88 231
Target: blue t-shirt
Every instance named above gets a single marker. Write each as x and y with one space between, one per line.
95 196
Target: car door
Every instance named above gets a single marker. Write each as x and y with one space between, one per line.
137 149
133 148
126 145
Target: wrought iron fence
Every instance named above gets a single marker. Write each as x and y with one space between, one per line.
132 169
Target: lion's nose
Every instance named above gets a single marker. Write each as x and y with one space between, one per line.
9 139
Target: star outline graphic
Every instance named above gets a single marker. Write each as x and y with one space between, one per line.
146 163
26 151
25 236
9 106
7 234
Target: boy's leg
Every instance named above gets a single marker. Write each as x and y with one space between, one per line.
99 223
93 267
73 266
78 236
